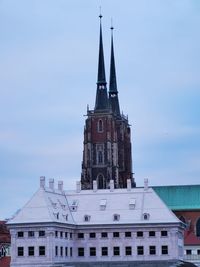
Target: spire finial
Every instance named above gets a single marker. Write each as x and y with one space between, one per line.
111 27
100 15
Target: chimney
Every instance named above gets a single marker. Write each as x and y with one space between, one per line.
128 184
60 185
42 181
111 185
94 186
146 184
78 187
51 183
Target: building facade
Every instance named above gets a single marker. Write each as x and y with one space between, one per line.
107 133
73 228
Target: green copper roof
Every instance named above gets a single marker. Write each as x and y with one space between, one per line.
183 197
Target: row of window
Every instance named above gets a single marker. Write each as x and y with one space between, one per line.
31 234
92 251
126 234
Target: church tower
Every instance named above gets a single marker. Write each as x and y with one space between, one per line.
107 133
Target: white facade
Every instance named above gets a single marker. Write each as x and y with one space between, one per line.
118 225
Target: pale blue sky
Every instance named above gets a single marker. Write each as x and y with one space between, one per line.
48 70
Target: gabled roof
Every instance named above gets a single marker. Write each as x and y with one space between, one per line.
103 207
180 197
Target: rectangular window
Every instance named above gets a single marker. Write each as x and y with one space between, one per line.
116 251
61 251
152 233
104 251
66 251
104 234
56 250
128 251
20 251
41 233
61 234
164 250
41 250
188 252
92 235
92 251
31 233
127 234
81 252
31 251
116 234
140 250
71 252
163 233
66 235
80 235
152 250
20 234
198 251
140 234
70 235
56 233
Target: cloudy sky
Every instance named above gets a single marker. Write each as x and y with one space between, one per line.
48 71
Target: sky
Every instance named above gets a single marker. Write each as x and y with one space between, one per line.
48 73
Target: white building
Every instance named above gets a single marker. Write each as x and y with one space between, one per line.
70 228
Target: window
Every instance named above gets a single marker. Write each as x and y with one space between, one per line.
20 251
116 234
164 250
163 233
56 233
140 250
100 126
146 216
70 235
66 234
87 218
41 233
31 234
140 234
128 251
127 234
71 252
61 234
81 252
92 251
198 251
92 235
41 250
20 234
31 251
80 235
198 227
152 250
104 234
116 217
101 181
66 251
61 251
100 157
116 251
56 250
104 251
152 233
188 252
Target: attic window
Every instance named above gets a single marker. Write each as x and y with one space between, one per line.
87 218
56 214
103 203
132 203
65 216
146 216
116 217
74 205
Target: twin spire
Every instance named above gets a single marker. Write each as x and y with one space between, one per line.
103 102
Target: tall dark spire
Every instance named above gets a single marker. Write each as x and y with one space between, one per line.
113 93
101 94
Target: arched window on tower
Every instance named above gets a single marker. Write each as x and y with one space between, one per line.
100 157
100 126
101 181
198 227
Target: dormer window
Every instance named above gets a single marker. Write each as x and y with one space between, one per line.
100 126
56 214
65 216
87 218
146 216
116 217
74 205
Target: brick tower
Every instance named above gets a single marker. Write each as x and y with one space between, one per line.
107 134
